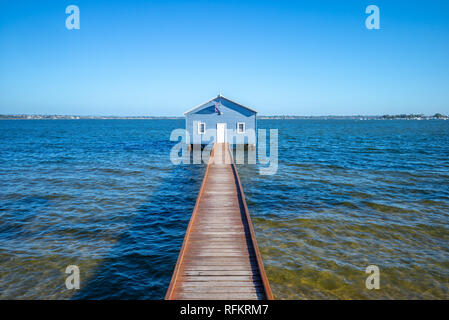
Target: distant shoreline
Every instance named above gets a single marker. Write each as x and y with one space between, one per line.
262 117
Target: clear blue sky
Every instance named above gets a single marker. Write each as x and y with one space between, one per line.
279 57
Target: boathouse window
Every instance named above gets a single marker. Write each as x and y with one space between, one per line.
201 128
240 127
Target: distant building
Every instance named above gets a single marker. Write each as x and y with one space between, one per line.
221 120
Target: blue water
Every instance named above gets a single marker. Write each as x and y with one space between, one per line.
103 195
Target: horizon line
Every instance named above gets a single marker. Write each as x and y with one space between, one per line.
182 116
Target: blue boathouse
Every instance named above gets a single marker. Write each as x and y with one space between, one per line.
221 120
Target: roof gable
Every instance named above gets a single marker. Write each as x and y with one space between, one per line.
218 98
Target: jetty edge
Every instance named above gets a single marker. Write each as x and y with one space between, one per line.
219 257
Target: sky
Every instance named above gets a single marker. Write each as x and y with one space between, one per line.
279 57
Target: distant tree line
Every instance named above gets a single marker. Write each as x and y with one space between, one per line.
280 117
414 116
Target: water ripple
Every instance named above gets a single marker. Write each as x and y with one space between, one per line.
103 195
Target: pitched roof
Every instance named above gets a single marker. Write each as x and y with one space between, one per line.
219 96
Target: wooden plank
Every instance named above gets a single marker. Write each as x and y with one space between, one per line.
222 289
228 279
218 273
235 284
212 261
221 254
219 257
202 249
217 296
218 237
220 233
202 267
221 245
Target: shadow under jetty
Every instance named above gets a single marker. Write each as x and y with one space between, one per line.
140 264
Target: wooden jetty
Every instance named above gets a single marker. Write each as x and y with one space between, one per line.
219 258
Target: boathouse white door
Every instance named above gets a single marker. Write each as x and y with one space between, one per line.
221 132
